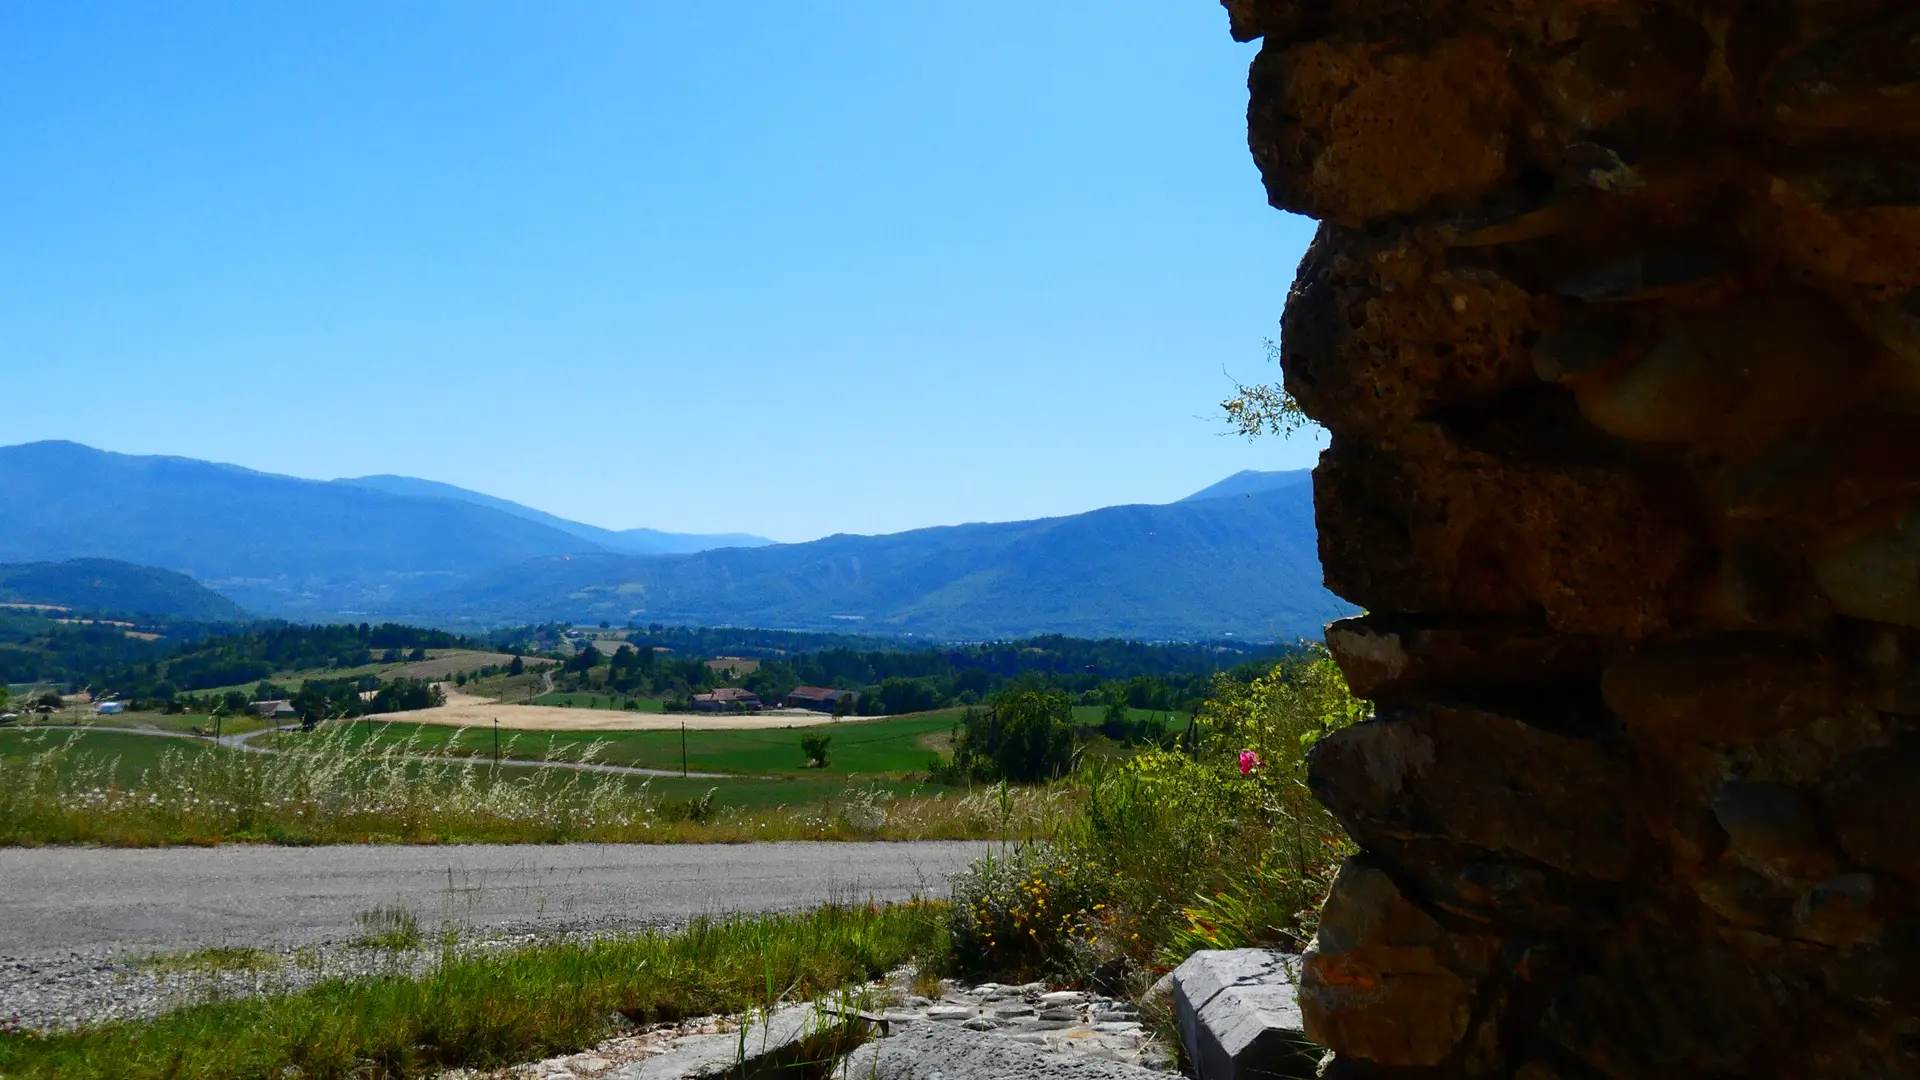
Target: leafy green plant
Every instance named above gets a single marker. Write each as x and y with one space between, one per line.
814 745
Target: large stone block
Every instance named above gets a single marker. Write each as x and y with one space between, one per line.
1482 780
1728 688
1378 333
1391 655
1384 981
1429 525
1354 132
1238 1016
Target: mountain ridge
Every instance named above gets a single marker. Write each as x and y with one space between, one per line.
1238 558
1220 567
629 541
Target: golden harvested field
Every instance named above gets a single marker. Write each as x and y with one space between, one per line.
466 710
444 663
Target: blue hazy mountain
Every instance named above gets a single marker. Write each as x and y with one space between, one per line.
1194 569
276 545
1253 482
630 541
1238 558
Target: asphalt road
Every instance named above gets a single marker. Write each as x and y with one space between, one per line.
55 901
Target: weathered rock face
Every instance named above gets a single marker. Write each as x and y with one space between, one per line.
1614 316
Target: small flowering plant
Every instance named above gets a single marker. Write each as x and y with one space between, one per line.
1249 761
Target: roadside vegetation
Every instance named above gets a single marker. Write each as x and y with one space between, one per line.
492 1010
1213 842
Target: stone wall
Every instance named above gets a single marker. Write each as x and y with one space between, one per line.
1614 316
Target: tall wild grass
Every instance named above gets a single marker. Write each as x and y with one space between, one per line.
330 788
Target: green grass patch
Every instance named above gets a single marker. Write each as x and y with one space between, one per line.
495 1010
392 926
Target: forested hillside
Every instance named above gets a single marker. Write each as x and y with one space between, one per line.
108 585
1210 568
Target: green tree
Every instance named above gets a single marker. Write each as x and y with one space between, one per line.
814 745
517 667
1025 735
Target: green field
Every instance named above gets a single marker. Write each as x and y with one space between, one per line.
129 755
896 747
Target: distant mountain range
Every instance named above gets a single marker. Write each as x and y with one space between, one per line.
107 585
1237 558
1206 569
630 541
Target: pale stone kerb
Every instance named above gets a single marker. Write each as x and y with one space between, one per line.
1238 1016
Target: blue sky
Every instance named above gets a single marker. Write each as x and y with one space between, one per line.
783 268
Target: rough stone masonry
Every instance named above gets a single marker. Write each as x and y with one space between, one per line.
1614 316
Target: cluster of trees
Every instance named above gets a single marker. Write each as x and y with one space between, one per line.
227 659
35 648
1119 674
318 699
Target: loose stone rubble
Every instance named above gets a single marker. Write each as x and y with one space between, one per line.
1614 318
989 1027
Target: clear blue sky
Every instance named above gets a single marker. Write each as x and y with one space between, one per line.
783 268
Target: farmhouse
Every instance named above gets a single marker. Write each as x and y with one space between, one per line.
727 697
275 710
817 698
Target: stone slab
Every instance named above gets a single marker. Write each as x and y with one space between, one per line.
1238 1016
937 1052
776 1039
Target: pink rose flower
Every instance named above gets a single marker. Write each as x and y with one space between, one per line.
1249 761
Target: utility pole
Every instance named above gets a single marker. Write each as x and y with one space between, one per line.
683 749
496 742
